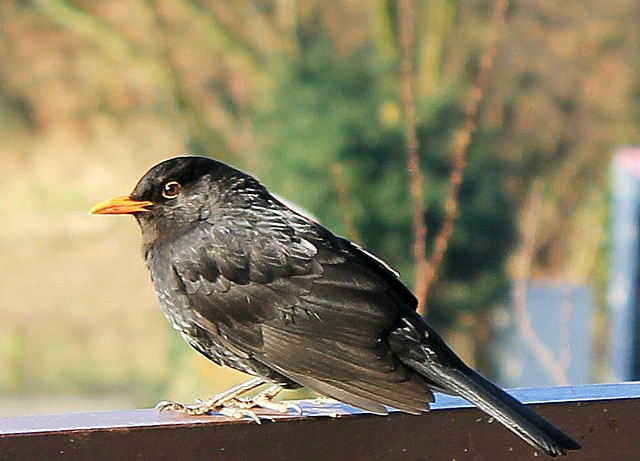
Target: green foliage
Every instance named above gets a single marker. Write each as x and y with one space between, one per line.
473 274
95 92
333 110
321 103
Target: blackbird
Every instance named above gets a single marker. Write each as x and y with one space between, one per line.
256 286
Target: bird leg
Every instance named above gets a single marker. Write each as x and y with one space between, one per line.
229 403
217 401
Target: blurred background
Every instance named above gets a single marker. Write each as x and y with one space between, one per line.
538 284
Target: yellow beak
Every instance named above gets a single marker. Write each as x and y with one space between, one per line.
121 205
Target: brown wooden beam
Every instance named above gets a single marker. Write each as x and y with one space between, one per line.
603 418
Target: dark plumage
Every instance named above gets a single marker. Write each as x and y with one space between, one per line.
258 287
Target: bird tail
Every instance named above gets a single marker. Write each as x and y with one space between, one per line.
530 426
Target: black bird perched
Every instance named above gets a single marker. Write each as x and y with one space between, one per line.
256 286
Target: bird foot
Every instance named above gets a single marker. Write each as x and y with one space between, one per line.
199 408
229 404
236 412
262 401
232 408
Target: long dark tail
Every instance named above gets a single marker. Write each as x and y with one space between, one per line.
515 416
433 359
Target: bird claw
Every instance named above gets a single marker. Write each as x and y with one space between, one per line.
200 408
239 413
280 407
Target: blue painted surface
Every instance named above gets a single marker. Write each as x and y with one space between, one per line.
311 408
561 316
623 266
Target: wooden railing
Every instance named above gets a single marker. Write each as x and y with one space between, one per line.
604 418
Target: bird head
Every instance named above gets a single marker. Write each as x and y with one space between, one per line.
176 193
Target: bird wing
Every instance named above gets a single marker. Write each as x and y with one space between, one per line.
306 304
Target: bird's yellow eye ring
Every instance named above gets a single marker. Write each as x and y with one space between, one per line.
171 189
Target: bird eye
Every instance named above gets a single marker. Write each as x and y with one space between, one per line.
171 189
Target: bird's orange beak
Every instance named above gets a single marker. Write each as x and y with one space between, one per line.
121 205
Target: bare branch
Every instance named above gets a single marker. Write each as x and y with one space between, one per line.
461 145
413 162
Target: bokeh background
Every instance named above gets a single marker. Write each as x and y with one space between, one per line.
307 96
